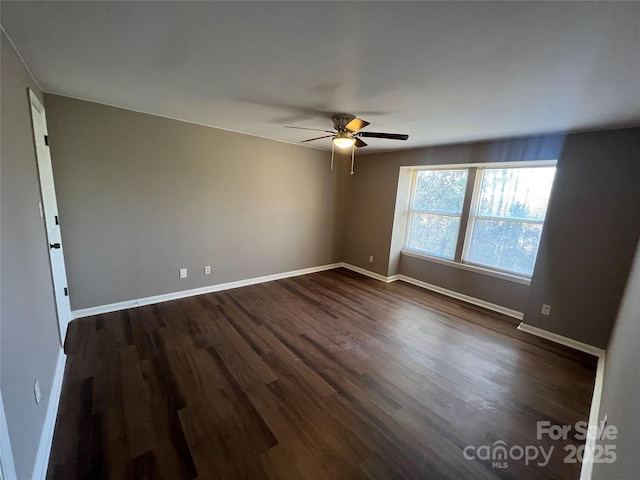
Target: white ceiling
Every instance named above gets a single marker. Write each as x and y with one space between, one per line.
440 71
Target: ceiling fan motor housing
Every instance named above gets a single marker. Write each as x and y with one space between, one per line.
341 120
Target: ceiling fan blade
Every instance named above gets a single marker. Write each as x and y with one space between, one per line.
360 143
314 129
390 136
356 124
317 138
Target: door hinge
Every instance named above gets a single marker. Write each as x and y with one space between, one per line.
66 292
57 220
46 140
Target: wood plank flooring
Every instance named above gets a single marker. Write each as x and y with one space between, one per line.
325 376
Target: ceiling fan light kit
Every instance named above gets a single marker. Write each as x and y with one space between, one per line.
344 140
346 134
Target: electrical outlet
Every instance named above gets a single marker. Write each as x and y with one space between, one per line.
183 273
546 309
207 270
36 392
371 259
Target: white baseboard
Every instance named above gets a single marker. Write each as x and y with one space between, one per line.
114 307
369 273
7 467
465 298
569 342
594 412
46 438
450 293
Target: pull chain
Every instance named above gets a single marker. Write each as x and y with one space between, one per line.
353 151
332 148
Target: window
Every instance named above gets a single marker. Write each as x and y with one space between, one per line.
505 215
436 208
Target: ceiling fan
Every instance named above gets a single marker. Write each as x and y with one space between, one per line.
346 133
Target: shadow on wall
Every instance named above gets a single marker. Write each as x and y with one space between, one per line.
591 229
589 238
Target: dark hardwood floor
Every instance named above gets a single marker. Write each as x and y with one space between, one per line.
325 376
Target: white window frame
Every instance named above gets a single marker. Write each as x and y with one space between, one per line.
411 211
471 206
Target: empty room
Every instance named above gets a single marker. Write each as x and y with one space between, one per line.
319 240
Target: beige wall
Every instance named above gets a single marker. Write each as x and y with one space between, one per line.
621 387
490 289
373 190
29 342
369 228
593 224
141 196
590 235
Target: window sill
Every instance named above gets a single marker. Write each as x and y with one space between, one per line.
470 268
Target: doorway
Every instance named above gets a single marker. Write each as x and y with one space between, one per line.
49 211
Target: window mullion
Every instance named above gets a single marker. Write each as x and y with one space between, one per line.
472 175
508 219
473 211
417 211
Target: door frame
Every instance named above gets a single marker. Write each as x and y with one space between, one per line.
7 467
49 212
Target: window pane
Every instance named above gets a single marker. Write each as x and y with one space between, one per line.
440 191
510 246
516 192
434 234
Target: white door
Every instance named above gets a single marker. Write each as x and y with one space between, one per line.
51 218
7 467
